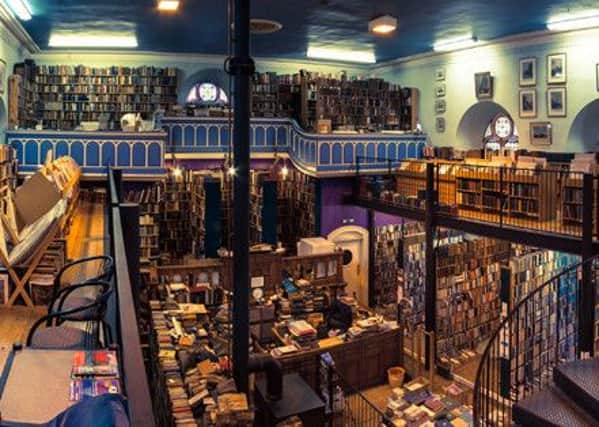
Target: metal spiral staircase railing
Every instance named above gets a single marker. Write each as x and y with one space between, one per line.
538 334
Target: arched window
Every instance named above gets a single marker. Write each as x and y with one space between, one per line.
207 94
501 133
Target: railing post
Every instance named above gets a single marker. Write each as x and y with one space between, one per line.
587 290
371 255
430 295
131 238
118 183
596 205
501 195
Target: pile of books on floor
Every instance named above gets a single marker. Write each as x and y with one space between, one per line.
193 368
302 333
94 373
413 404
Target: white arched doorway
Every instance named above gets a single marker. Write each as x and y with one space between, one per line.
354 242
584 133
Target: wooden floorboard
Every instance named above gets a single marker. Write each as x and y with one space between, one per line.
86 238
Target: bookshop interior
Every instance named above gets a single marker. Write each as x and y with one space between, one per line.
231 214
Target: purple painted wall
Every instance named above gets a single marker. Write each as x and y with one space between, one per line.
335 214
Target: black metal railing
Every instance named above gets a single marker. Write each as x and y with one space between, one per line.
356 410
122 310
552 200
539 333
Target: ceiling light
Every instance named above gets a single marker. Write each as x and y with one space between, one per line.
92 41
20 8
456 43
382 25
574 21
365 57
168 5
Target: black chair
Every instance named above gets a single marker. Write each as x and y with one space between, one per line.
84 270
58 335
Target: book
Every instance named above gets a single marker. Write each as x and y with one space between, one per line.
95 363
86 388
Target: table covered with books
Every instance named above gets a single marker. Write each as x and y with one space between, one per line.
37 385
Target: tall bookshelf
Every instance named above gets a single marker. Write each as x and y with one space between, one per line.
64 96
468 304
149 200
23 108
411 263
175 222
298 213
197 212
387 248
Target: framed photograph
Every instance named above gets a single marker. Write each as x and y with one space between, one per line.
440 74
3 80
440 124
528 103
556 102
483 85
440 90
528 71
440 106
557 70
540 133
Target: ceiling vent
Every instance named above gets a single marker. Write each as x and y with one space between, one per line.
264 26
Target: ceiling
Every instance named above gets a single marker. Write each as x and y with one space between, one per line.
199 25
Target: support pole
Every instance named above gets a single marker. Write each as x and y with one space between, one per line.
371 260
587 288
430 293
241 67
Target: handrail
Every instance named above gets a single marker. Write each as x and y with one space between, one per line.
492 345
133 368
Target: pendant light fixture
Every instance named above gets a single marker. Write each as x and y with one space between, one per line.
383 25
168 5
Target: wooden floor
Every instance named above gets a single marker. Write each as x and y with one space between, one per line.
86 238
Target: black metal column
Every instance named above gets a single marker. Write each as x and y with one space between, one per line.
371 260
587 288
430 292
241 67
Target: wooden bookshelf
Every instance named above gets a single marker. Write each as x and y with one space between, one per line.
149 200
64 96
526 193
411 181
23 109
175 226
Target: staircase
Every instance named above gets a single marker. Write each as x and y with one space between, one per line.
572 400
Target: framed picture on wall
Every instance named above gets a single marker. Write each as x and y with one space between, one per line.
528 71
528 103
540 133
557 69
556 102
440 74
2 75
440 124
440 90
483 85
440 106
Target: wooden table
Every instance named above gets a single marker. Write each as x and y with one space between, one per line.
34 387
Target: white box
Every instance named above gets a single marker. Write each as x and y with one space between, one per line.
314 246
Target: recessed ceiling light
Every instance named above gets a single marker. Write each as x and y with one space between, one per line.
92 41
456 43
574 21
168 5
21 8
365 57
382 25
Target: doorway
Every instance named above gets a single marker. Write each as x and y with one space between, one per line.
353 240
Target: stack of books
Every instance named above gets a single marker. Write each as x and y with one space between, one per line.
94 373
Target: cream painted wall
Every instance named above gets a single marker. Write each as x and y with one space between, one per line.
502 60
